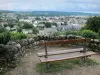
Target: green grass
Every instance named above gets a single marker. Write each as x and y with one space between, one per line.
65 64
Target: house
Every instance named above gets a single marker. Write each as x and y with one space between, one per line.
27 31
47 31
69 27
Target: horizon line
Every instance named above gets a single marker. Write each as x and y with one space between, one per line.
51 11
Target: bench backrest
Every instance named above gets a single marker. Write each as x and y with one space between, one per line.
71 41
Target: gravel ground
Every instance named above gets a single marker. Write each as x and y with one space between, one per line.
28 63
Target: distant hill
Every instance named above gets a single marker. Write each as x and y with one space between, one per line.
52 13
57 13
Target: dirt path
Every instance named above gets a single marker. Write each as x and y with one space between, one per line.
29 61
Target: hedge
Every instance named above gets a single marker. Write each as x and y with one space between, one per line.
7 36
89 34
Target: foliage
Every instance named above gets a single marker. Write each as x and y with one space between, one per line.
7 36
2 29
35 30
65 64
89 34
93 23
37 18
47 24
27 25
55 34
18 36
5 25
19 29
55 24
72 32
4 37
99 32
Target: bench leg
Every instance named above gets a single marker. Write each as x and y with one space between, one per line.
47 65
84 59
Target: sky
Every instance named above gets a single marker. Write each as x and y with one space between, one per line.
51 5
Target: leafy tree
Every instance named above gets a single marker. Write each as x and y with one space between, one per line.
47 24
55 24
89 34
5 25
27 26
35 30
37 18
4 37
93 23
11 25
18 36
18 17
2 29
19 29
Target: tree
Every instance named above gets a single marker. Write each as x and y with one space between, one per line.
2 29
55 24
27 26
93 23
47 24
19 29
37 18
18 17
35 30
5 25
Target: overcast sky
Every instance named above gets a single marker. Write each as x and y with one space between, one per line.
51 5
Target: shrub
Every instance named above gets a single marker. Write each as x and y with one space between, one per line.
35 30
27 25
2 29
18 36
72 32
47 24
19 29
93 23
4 37
89 34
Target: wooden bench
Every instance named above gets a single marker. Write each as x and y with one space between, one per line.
60 52
64 54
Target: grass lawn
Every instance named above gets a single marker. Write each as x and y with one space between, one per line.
65 64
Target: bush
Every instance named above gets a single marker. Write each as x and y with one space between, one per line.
93 23
27 26
18 36
35 30
89 34
72 32
4 37
47 24
2 29
19 29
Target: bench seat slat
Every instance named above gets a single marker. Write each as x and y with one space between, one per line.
60 52
66 56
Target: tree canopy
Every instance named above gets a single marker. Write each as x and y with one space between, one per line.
93 23
27 26
2 29
47 24
35 30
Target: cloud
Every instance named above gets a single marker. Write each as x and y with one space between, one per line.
51 5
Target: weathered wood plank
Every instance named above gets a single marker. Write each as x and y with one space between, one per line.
65 56
60 52
71 41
